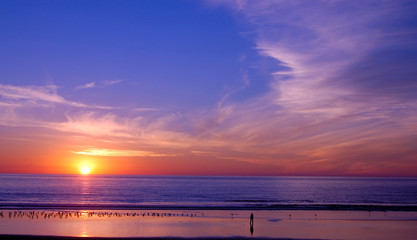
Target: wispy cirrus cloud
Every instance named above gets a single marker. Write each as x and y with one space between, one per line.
95 124
145 109
38 96
87 85
99 85
42 106
120 153
42 94
112 82
347 75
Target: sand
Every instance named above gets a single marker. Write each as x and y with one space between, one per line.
299 224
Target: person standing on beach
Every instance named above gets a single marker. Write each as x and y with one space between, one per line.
251 224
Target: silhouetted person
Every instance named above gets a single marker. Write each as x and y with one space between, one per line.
251 224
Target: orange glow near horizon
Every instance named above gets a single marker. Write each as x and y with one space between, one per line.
185 164
85 166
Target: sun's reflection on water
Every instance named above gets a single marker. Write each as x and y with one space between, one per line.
85 188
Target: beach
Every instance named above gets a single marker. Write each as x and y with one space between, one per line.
61 206
289 224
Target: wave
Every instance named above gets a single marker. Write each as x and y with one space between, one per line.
334 207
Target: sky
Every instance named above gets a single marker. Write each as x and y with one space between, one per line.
211 87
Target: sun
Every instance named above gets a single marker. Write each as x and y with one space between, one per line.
85 170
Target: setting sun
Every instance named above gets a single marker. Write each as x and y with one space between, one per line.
85 170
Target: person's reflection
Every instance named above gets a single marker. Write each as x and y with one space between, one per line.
251 224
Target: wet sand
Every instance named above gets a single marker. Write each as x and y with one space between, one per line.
205 224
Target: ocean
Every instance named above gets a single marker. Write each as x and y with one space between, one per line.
42 191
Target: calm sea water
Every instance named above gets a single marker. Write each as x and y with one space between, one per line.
158 192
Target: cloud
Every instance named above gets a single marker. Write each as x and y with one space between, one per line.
338 48
388 73
5 104
335 51
99 85
120 153
38 96
34 94
87 85
111 82
95 124
42 106
145 109
346 79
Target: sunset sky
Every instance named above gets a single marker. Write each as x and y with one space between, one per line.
216 87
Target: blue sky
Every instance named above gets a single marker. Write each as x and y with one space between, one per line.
222 87
172 49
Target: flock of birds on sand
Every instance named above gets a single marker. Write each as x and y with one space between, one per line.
85 214
77 214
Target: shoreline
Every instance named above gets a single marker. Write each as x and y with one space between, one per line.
254 207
